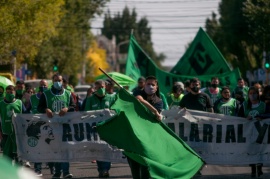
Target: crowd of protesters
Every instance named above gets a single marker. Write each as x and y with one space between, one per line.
243 101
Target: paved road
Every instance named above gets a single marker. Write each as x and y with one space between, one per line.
82 170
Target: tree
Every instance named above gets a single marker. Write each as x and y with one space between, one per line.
25 24
96 58
121 25
230 33
68 48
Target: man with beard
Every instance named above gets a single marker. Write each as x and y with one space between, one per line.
196 100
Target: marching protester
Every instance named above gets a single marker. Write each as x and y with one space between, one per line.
100 100
226 104
187 87
259 87
250 109
109 87
19 89
149 97
32 108
65 103
213 90
2 95
8 107
177 94
141 83
241 86
89 93
195 99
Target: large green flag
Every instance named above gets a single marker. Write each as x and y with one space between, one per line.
201 58
140 64
147 141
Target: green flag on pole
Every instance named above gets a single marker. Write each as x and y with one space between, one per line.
201 58
140 64
147 141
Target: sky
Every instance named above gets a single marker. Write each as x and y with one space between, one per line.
174 23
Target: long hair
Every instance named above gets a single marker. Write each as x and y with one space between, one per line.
249 104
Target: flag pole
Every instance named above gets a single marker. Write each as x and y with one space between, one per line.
110 78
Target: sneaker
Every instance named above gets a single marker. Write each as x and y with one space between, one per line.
56 175
68 175
39 174
104 174
27 164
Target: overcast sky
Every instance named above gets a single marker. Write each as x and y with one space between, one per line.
174 23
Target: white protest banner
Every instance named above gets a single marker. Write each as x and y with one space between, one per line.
220 139
72 137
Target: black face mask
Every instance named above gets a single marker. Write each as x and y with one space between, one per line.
42 88
226 98
195 89
214 85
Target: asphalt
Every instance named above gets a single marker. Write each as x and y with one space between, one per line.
85 170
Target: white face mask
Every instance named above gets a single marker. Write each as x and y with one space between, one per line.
150 89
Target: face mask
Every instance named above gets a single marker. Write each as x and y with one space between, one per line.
253 97
149 89
101 91
19 91
214 85
42 89
226 98
10 97
195 89
57 85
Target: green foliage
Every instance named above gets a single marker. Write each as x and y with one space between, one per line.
25 24
69 47
121 25
232 36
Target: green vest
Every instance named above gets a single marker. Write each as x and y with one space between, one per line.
260 109
173 101
6 111
94 103
57 102
213 97
34 100
226 108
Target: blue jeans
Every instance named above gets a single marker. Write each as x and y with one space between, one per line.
37 167
103 166
61 167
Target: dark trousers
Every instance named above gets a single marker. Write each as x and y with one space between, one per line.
61 167
9 153
37 167
138 171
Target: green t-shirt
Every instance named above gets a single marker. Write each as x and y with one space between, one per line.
34 100
95 103
227 108
255 110
6 111
57 102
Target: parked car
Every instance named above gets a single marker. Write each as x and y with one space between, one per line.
81 90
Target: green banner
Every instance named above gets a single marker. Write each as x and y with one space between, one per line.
139 63
201 58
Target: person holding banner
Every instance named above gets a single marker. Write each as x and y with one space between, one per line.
149 97
59 101
195 99
100 100
32 108
226 104
8 107
250 109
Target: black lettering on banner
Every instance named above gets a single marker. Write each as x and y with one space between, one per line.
207 133
219 134
167 81
78 131
230 134
67 136
194 133
261 130
91 131
240 138
181 132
